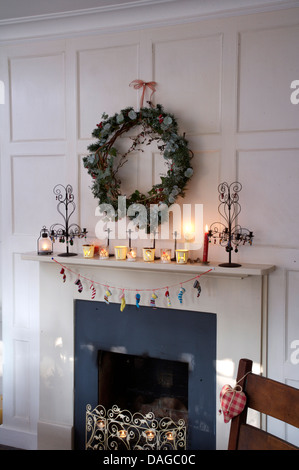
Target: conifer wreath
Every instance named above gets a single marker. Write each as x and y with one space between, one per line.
105 160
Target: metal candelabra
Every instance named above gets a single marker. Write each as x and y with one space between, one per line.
66 207
230 235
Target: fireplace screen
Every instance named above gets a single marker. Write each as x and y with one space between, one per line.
117 429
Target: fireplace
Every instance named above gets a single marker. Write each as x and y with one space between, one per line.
143 384
157 361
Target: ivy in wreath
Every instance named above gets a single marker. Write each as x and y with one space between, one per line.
105 160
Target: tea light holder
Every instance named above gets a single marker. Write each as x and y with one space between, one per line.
170 435
122 433
120 252
104 252
44 243
150 434
165 255
101 424
88 251
148 254
132 254
182 256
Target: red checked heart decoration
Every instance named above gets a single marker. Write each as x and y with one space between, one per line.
232 401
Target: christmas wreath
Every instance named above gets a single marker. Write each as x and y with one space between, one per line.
104 160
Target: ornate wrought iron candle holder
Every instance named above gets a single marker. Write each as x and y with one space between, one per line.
117 429
66 207
229 235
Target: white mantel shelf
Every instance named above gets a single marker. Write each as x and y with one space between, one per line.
244 270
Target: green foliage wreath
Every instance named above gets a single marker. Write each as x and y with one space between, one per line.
104 159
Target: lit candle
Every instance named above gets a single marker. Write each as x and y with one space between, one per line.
206 246
101 424
44 243
165 256
104 252
150 435
132 254
122 433
169 436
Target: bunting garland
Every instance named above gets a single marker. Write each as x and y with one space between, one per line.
108 288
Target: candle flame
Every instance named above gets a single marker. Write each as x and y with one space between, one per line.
207 229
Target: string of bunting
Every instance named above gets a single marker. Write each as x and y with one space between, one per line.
108 287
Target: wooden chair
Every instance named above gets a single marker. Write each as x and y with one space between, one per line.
270 398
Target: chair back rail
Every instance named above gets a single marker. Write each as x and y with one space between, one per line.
268 397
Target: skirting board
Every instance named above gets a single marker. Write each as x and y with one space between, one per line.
54 436
18 439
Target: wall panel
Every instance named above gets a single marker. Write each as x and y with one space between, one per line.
37 97
104 76
270 181
268 65
34 203
188 73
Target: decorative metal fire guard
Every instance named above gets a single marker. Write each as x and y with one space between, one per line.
117 429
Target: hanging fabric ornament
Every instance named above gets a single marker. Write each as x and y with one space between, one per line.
180 296
93 291
137 300
153 300
63 275
122 301
107 295
197 286
79 284
232 401
168 298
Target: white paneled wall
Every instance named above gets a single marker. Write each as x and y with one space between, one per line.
228 83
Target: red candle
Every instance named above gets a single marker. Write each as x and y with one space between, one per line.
205 246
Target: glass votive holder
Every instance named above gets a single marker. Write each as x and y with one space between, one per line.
165 255
148 254
132 254
88 251
104 252
120 252
182 256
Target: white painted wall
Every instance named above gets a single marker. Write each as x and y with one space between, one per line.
228 82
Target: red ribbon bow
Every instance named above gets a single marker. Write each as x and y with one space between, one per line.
140 83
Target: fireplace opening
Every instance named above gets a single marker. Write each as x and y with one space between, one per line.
143 384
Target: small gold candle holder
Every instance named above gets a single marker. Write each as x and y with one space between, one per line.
120 252
88 251
182 256
148 254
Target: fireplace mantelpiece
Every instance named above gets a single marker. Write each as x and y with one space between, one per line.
238 296
192 268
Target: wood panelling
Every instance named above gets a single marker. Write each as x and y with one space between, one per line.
228 83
